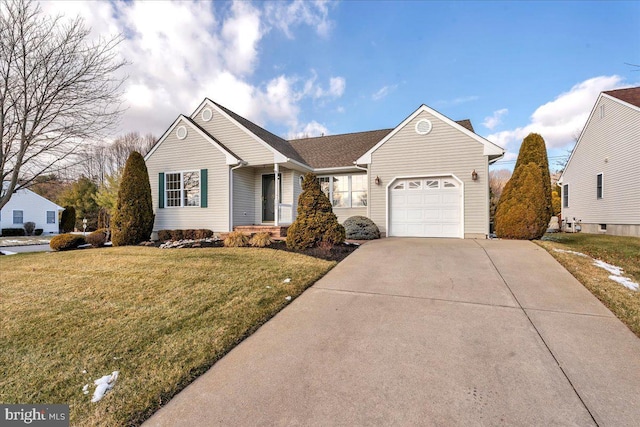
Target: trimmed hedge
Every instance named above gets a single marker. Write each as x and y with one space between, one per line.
98 238
361 228
11 232
65 242
38 232
191 234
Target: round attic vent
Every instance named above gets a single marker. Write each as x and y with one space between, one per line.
423 127
181 132
207 114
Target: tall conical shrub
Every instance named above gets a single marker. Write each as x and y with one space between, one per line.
522 211
68 219
316 223
132 221
533 149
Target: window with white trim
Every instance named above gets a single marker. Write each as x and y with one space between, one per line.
599 186
345 191
18 217
51 217
182 189
565 196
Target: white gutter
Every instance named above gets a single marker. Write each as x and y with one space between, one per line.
276 192
241 163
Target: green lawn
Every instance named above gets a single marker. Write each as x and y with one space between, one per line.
620 251
160 317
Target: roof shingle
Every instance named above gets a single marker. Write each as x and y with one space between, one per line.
630 95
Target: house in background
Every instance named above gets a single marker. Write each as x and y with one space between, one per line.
427 177
600 185
27 206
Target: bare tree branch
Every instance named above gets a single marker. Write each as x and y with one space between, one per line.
58 92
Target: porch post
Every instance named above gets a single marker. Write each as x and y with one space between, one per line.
276 201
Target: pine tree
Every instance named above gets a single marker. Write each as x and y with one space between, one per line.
68 219
132 221
533 149
316 223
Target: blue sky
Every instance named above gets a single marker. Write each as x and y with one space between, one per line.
306 68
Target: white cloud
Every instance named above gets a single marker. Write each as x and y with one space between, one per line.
493 121
182 51
559 120
308 130
315 14
383 92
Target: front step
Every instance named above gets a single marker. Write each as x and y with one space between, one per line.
273 230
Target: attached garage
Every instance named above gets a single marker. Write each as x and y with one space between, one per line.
426 207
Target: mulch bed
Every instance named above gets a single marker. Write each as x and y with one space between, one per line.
336 253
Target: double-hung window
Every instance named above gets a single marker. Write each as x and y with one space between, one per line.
51 217
599 186
18 217
345 191
182 189
565 196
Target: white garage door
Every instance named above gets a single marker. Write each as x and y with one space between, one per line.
425 207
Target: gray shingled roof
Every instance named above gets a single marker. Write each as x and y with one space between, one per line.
322 151
337 150
279 144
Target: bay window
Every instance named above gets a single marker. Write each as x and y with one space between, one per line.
345 191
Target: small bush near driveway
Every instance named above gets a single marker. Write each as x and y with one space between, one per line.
616 250
160 317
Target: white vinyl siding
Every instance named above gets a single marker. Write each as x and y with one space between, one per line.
443 151
189 154
235 139
609 146
34 208
244 197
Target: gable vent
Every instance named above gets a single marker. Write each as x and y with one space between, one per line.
207 114
423 127
181 132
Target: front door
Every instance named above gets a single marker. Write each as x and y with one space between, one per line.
268 197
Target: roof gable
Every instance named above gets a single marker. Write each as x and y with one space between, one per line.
231 158
274 143
609 95
630 96
490 149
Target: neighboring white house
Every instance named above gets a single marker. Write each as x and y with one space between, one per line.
427 177
27 206
600 183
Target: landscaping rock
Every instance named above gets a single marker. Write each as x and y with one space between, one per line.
361 228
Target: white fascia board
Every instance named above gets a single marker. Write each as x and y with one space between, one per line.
338 169
297 165
230 159
620 101
277 156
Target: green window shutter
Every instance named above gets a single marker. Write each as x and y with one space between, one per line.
161 190
203 188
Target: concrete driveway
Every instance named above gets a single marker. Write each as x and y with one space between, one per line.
428 332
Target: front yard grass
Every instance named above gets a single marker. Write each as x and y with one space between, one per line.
620 251
160 317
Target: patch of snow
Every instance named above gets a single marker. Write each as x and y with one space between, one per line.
616 271
85 389
86 245
571 252
104 384
287 280
9 252
268 287
84 371
108 244
288 298
626 282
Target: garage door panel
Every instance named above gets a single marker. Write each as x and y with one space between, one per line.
427 211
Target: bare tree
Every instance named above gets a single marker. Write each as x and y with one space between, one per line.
58 90
497 180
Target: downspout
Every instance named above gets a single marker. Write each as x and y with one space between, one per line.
276 191
368 189
240 164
